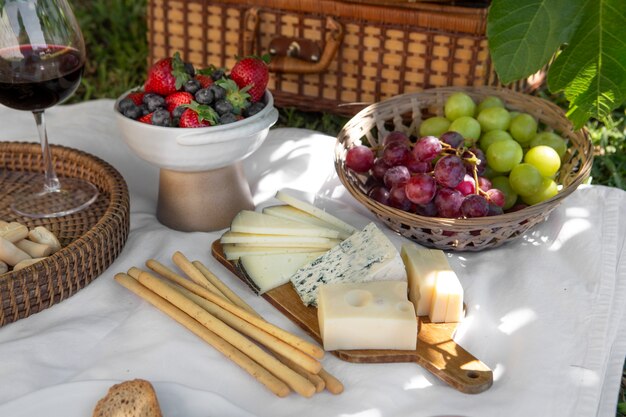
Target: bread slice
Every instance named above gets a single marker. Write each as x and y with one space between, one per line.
135 398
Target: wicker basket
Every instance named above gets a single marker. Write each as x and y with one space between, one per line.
91 238
405 112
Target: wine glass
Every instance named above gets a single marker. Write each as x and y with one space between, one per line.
42 56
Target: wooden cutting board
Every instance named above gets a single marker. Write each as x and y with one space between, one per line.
436 350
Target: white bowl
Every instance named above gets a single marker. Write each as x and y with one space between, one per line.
197 149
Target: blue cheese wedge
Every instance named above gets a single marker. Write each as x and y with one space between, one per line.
365 256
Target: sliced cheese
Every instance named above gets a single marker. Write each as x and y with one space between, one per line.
247 221
367 255
346 229
447 302
288 212
371 315
265 272
234 252
249 239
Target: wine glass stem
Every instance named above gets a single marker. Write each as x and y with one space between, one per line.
51 182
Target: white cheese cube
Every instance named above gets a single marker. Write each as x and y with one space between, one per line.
365 256
247 221
265 272
371 315
423 266
447 303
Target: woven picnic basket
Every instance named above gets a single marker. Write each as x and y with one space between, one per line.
91 239
333 55
405 113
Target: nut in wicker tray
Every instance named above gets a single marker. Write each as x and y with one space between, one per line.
405 113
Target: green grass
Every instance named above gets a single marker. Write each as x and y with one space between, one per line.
115 34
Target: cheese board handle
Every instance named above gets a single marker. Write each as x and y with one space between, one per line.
442 356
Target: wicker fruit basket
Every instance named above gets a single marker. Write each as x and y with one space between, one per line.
405 113
91 239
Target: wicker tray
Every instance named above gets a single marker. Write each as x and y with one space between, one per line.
91 239
405 113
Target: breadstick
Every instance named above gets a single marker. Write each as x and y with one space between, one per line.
11 254
13 232
163 270
333 385
289 338
195 275
258 372
253 332
36 250
44 236
26 262
294 380
230 294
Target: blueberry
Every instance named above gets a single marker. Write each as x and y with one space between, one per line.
204 96
223 106
227 118
178 111
218 92
153 101
175 121
144 110
133 112
253 109
192 86
126 103
161 117
217 74
189 69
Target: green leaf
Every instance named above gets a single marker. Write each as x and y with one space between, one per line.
525 34
591 70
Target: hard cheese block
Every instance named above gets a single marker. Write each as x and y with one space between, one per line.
234 252
365 256
371 315
250 239
432 283
288 212
264 272
247 221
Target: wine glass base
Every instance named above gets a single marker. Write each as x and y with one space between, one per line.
73 196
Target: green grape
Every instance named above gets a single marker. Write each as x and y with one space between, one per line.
494 118
501 182
525 179
468 127
488 102
502 156
492 136
548 189
434 126
545 159
491 173
523 128
459 105
552 140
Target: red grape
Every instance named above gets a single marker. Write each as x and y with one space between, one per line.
398 199
474 205
380 194
395 154
379 168
359 158
484 184
396 137
494 210
480 155
453 139
496 197
467 186
420 188
396 176
416 166
449 171
448 202
427 148
428 210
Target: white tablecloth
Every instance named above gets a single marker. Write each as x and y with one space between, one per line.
545 312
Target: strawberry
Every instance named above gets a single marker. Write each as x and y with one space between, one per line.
166 76
136 97
198 115
253 72
146 119
177 99
205 80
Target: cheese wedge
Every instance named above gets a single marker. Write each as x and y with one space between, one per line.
288 212
370 315
249 239
247 221
345 228
424 266
265 272
365 256
234 252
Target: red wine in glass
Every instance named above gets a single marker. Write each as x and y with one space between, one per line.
42 57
